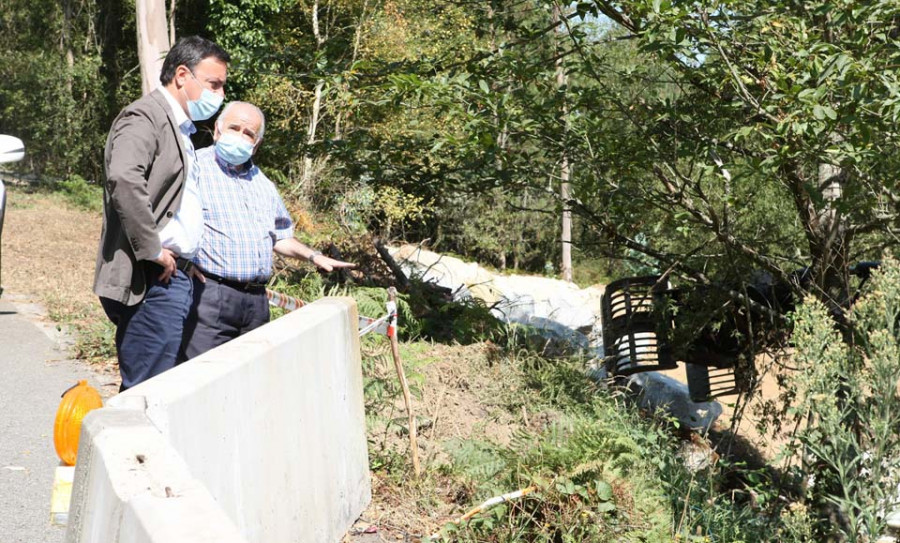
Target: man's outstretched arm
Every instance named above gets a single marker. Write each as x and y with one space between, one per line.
292 248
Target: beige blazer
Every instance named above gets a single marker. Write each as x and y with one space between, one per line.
144 163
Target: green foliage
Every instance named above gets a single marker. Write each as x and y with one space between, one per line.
371 302
386 211
466 321
607 472
560 381
52 92
95 341
82 194
356 207
505 228
383 395
599 467
597 481
699 127
779 90
308 287
847 395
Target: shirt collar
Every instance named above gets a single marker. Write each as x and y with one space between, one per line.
244 171
181 118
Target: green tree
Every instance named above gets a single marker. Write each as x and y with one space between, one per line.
770 142
52 95
447 117
731 136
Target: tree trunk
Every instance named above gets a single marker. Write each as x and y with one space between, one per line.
66 46
171 23
306 177
831 242
153 40
564 193
357 39
564 187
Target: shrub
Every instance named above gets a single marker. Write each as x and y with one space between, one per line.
848 405
82 194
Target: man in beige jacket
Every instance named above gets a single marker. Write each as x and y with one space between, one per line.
152 215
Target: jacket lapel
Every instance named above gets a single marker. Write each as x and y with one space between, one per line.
160 210
176 130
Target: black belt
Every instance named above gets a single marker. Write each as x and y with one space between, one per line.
184 265
238 285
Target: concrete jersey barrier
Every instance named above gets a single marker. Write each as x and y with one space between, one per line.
260 440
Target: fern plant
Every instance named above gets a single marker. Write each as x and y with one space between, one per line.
596 469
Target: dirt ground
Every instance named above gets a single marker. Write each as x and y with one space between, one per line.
48 251
746 418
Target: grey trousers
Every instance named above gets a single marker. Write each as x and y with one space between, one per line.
220 313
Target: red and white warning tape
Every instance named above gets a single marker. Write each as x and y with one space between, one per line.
288 303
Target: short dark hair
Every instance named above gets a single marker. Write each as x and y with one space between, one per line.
190 51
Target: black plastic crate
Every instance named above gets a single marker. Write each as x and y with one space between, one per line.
635 326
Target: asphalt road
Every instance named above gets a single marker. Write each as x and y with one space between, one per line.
35 373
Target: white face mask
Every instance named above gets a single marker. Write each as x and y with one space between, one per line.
233 149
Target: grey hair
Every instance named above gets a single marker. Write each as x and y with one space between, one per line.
227 108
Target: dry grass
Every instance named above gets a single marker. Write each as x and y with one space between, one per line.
49 249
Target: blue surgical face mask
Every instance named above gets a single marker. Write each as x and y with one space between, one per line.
234 149
206 106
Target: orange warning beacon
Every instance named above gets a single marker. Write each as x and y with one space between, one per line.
75 404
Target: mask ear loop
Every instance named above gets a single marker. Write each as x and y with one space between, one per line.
186 97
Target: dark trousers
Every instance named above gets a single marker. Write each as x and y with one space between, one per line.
148 334
219 314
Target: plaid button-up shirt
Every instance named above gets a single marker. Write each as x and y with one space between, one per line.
243 217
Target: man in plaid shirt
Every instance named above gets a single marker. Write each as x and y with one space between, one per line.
244 221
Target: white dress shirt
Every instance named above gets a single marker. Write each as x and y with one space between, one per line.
182 233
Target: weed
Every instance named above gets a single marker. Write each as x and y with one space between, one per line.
385 420
597 481
561 381
370 301
95 341
847 396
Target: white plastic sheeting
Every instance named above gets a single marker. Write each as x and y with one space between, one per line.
560 311
512 298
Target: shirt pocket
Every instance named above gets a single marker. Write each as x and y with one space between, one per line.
259 213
